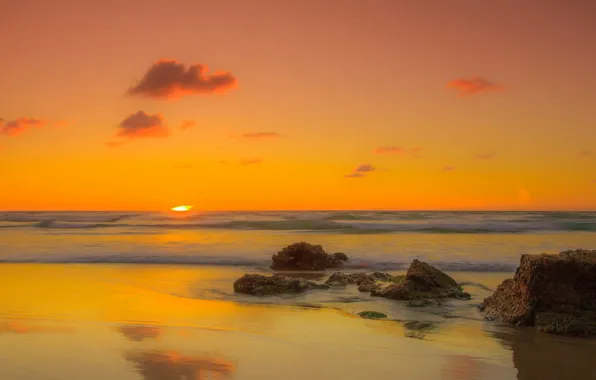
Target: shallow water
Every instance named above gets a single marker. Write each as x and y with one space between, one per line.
164 322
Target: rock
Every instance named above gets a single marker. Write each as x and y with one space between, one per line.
258 285
422 281
372 315
366 281
555 293
419 303
418 329
304 256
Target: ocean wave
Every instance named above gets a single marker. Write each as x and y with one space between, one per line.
355 264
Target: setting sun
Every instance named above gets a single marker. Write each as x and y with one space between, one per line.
182 208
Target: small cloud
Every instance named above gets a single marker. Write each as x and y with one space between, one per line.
183 166
361 170
415 149
224 162
138 333
448 168
354 175
260 135
187 124
18 126
388 150
140 125
594 181
60 124
586 154
486 156
170 79
365 168
255 161
473 86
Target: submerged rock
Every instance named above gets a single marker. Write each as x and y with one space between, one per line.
366 281
422 281
305 256
372 315
555 293
258 285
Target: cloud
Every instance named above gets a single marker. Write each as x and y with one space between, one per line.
260 135
448 168
141 124
473 86
170 79
187 124
388 150
486 156
18 126
254 161
365 168
354 175
586 154
415 149
361 170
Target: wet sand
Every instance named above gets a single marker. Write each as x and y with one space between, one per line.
154 322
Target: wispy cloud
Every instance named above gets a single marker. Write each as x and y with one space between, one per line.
448 168
253 161
473 86
586 154
170 79
260 136
388 150
354 175
486 156
365 168
186 124
361 170
18 126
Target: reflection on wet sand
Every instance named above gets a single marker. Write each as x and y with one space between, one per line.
542 356
159 365
138 333
21 327
464 367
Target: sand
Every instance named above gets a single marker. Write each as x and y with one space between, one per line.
154 322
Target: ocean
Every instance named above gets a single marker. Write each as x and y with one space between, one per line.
149 296
380 240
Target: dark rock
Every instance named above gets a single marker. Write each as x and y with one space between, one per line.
257 285
418 329
304 256
422 281
372 315
556 293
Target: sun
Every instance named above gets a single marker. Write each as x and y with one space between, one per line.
182 208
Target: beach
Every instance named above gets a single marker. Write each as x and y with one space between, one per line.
157 303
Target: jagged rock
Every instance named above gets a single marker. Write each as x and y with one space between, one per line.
258 285
555 293
422 281
304 256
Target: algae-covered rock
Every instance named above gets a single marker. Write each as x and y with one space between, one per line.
422 281
372 315
258 285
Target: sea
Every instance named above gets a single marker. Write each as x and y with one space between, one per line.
376 240
149 296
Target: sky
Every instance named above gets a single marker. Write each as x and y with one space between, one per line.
298 104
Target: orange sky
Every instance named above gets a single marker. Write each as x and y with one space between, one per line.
460 104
